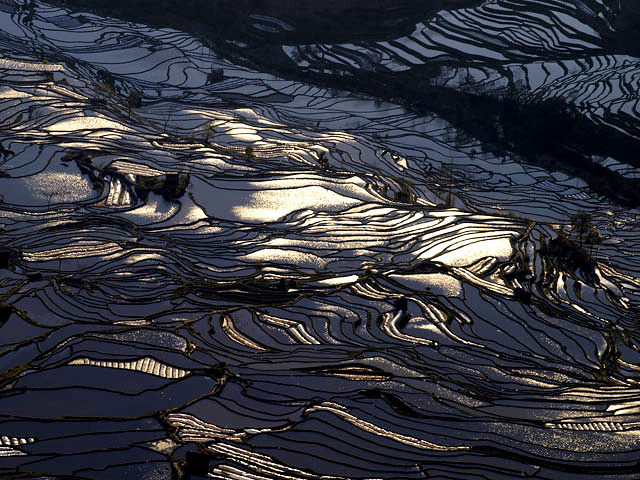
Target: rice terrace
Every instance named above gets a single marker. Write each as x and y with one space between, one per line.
339 240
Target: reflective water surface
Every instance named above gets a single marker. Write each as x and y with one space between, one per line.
254 277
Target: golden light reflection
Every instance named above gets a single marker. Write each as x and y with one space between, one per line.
280 255
30 66
76 251
452 212
339 280
59 187
245 134
234 334
369 427
155 210
269 205
437 283
72 125
146 365
10 93
165 446
472 252
125 167
193 213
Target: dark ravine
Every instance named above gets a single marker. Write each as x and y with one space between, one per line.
221 20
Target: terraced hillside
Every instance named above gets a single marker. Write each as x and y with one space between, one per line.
264 256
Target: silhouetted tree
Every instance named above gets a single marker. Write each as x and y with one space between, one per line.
134 100
249 153
581 225
593 238
323 161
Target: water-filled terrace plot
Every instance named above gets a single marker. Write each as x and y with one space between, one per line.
210 270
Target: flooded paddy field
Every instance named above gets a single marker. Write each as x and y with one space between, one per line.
217 261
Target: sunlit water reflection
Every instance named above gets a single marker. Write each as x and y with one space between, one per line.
343 299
